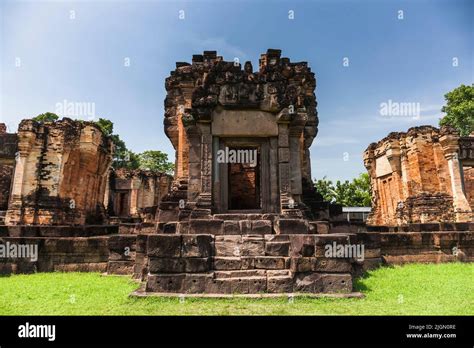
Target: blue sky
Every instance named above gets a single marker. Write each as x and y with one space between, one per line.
76 51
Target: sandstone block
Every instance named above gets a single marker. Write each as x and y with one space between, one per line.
120 267
290 226
302 245
245 226
196 283
252 246
119 243
308 282
331 265
231 227
165 282
197 265
279 284
166 265
262 227
277 248
218 286
164 245
197 245
205 226
227 263
335 283
228 245
271 262
240 274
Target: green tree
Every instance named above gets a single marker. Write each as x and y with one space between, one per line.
459 109
155 160
346 193
123 157
326 188
46 117
107 126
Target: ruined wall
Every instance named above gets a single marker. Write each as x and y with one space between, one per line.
137 193
8 148
469 185
59 248
60 173
416 178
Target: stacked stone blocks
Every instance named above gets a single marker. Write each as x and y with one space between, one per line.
263 263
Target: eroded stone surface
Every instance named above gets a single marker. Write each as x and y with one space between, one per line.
136 193
416 178
60 173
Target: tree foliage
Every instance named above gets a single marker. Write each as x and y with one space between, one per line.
348 194
155 160
107 126
125 158
459 109
46 117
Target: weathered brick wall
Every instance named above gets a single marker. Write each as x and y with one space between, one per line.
8 148
243 187
6 173
469 185
60 174
137 193
411 180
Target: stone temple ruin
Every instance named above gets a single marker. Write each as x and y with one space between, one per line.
213 106
228 226
135 194
241 214
60 174
422 189
417 177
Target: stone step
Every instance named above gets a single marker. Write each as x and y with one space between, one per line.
236 217
239 274
249 274
245 216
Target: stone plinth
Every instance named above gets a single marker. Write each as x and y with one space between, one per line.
243 264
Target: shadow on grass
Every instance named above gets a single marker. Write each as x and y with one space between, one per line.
360 282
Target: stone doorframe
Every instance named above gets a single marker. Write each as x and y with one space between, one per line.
268 184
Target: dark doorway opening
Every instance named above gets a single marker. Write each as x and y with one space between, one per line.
244 182
123 204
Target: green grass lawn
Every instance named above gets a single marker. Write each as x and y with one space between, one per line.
413 289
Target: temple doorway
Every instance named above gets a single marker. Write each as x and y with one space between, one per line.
244 182
241 175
